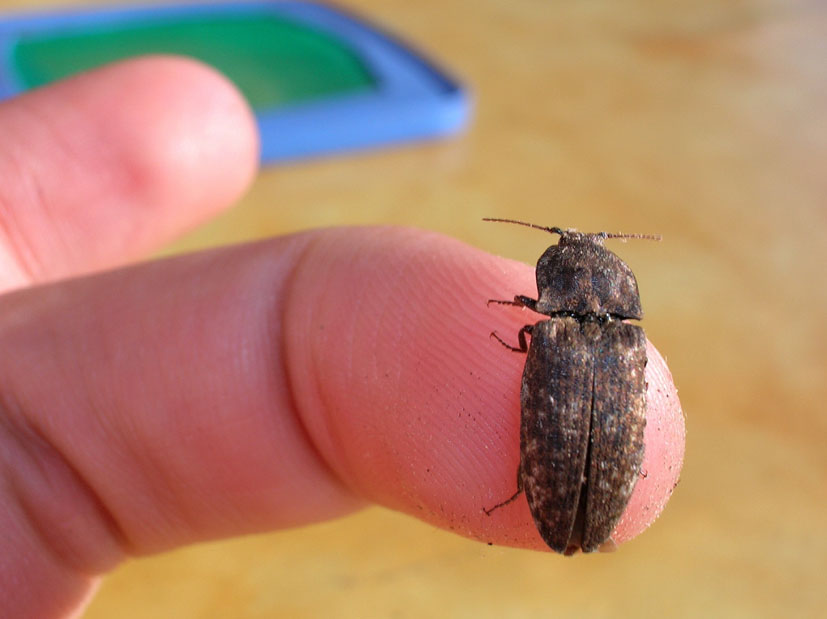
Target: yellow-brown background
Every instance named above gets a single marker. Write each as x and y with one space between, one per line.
703 120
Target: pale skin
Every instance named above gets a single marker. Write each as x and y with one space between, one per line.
238 390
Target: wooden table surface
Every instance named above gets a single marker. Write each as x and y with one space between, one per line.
705 121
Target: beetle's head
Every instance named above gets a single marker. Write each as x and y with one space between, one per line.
579 275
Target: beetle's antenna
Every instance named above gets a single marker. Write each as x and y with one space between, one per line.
620 235
560 231
553 230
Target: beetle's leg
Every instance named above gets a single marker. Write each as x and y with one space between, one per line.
511 498
523 347
526 302
519 301
521 337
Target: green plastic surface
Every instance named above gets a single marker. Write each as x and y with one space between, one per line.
272 60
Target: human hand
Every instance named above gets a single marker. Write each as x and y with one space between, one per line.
242 389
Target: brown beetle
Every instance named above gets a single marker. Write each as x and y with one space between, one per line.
583 396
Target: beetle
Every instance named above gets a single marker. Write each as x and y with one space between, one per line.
583 393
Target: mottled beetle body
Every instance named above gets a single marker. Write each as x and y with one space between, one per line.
583 395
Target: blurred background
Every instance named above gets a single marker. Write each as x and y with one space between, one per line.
704 121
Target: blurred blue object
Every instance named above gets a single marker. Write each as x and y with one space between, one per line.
320 80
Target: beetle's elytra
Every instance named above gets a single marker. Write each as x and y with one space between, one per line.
583 395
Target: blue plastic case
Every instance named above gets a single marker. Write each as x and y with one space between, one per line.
409 99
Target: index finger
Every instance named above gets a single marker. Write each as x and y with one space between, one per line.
266 386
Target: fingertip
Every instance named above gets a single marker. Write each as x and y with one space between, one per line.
411 401
107 165
188 137
665 439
